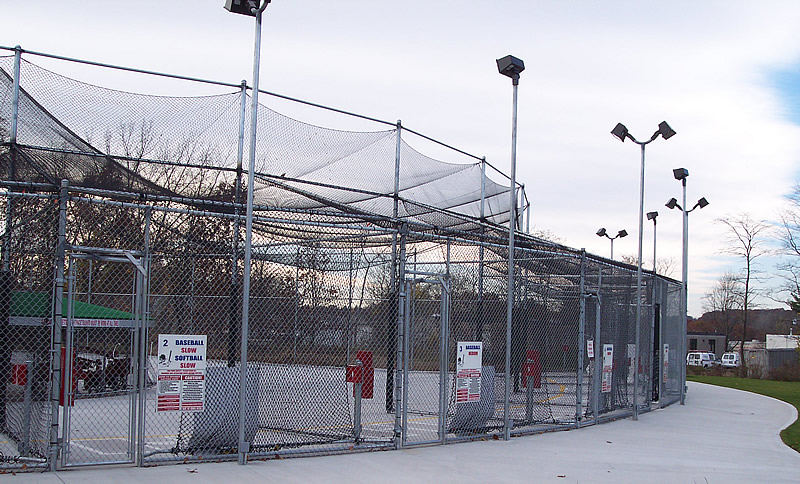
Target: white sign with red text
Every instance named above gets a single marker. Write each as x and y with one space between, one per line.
469 361
608 367
181 372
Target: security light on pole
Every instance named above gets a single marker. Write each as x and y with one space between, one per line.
652 216
602 233
253 8
621 132
244 7
681 174
510 66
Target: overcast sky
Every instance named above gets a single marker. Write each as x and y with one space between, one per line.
724 74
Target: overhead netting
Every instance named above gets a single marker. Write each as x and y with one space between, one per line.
188 147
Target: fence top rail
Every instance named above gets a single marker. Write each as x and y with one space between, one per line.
238 86
121 68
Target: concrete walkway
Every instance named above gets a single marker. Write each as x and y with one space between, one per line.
719 436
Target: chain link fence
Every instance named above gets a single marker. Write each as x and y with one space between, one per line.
379 301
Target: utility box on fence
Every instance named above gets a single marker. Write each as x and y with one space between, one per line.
19 375
363 373
532 368
75 374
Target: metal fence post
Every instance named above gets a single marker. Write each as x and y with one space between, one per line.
399 390
444 325
405 300
357 403
394 281
581 341
26 412
598 350
58 315
144 361
66 384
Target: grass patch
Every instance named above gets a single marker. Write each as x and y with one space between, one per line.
788 391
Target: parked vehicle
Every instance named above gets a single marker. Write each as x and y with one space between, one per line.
731 360
701 358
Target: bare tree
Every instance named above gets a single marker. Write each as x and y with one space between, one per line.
665 265
723 303
790 238
745 239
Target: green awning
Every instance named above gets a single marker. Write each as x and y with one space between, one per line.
33 309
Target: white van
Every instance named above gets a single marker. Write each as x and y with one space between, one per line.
731 360
700 358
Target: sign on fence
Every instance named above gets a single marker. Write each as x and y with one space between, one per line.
469 358
590 348
181 372
666 361
608 367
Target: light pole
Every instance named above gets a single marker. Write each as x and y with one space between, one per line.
602 233
510 66
252 8
621 132
681 174
652 216
654 343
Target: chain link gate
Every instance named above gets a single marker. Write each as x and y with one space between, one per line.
104 374
426 338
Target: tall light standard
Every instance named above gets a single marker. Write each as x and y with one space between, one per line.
654 343
681 174
621 132
652 216
602 233
510 66
252 8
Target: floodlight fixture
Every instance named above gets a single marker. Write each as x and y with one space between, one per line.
510 66
672 203
620 132
244 7
603 233
680 173
665 130
652 216
702 203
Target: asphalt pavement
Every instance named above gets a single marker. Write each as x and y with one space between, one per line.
719 436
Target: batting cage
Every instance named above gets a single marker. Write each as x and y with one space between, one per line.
378 313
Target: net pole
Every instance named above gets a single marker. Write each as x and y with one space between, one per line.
244 446
13 168
479 324
234 291
394 283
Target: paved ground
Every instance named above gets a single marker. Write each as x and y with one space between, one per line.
719 436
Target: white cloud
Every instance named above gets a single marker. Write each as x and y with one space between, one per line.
702 66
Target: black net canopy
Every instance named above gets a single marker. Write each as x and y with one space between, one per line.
190 147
